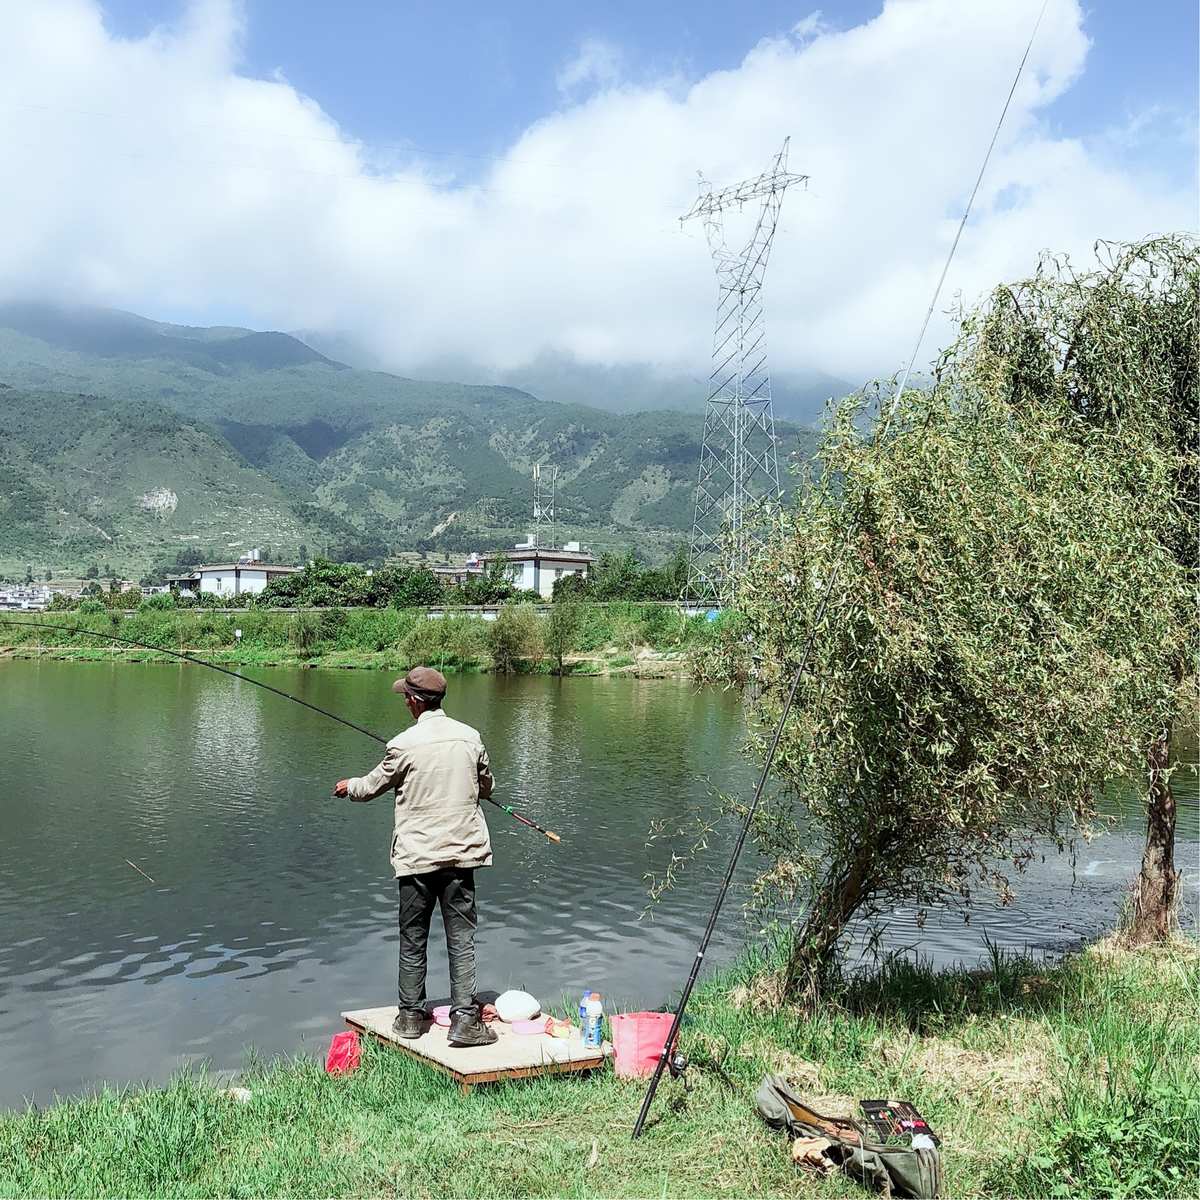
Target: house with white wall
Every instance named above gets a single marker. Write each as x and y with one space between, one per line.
230 579
537 568
31 597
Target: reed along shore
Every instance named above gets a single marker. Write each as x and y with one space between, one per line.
612 638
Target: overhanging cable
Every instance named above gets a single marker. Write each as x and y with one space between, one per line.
834 574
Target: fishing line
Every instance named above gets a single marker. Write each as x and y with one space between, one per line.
203 662
834 574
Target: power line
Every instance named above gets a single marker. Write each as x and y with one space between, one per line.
966 213
819 615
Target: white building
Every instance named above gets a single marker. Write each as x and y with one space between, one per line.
29 598
230 579
537 568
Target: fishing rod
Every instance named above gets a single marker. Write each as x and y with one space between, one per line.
668 1046
203 662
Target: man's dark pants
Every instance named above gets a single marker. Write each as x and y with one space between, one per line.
453 888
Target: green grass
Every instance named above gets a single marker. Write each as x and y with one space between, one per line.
1078 1079
372 638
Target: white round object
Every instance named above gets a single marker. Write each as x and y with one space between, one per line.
517 1006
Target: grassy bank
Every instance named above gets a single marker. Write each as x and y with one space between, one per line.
1078 1079
605 638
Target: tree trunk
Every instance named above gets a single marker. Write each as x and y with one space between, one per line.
813 957
1156 891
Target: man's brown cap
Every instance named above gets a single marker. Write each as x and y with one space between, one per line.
422 683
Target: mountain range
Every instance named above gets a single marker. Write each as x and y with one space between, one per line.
798 396
126 440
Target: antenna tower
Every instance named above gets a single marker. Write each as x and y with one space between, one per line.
540 510
739 466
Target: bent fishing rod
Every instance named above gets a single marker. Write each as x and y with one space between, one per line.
203 662
668 1049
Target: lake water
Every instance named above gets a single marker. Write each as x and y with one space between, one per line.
273 908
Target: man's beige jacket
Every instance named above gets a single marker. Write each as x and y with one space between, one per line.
439 770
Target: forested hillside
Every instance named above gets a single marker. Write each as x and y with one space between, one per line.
86 478
129 440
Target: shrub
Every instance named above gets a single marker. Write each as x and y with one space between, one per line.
331 623
446 642
595 627
405 587
375 629
492 587
562 627
265 630
515 635
305 632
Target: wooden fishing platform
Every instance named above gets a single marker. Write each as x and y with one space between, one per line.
512 1056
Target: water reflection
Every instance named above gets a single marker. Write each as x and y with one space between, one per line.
272 906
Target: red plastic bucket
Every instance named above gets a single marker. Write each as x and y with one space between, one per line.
638 1040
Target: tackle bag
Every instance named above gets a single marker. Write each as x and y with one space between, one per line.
892 1171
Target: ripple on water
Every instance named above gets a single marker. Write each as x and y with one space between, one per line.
273 908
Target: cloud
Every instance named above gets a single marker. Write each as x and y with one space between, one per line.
810 26
152 173
598 62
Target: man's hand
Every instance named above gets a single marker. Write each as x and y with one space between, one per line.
342 787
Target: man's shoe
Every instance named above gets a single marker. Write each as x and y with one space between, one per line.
466 1029
410 1023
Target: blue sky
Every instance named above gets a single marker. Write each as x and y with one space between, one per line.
497 185
465 79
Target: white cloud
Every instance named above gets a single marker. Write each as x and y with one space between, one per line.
151 174
810 26
597 63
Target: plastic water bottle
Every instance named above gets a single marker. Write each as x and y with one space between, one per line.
593 1036
583 1000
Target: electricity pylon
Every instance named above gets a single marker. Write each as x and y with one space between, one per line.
739 467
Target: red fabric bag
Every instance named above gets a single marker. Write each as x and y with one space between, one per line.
344 1053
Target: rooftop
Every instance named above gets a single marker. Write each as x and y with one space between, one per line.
523 552
273 568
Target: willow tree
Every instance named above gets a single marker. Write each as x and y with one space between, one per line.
1119 346
994 620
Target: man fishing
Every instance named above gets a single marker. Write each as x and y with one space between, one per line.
439 770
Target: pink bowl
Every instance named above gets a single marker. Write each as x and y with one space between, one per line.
441 1015
528 1028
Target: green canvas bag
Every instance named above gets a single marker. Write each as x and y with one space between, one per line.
892 1171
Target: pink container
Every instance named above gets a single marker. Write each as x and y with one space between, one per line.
638 1040
530 1028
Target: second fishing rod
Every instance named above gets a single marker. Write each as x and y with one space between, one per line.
803 666
202 662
